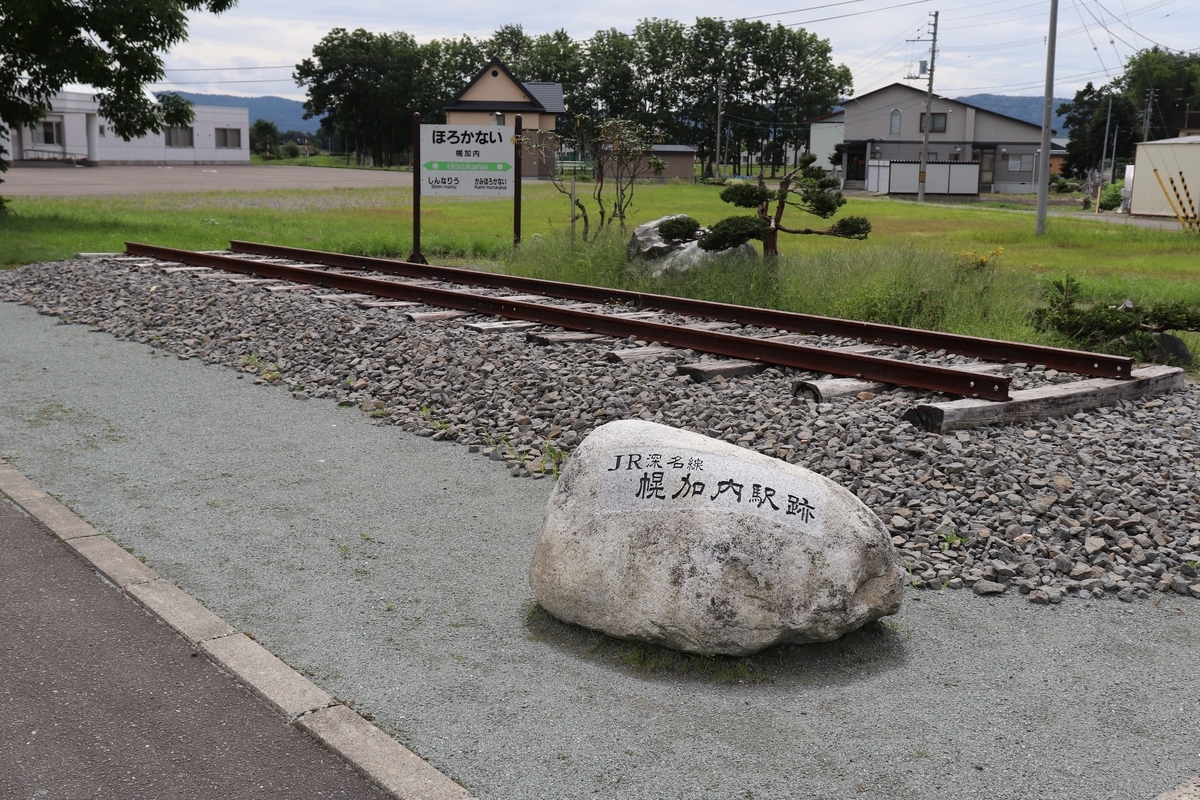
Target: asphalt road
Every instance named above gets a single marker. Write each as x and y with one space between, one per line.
392 569
101 700
65 181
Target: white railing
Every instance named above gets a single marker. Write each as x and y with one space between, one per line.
33 154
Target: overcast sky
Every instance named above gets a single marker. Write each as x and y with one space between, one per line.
995 46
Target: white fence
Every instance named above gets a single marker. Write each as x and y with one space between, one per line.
941 177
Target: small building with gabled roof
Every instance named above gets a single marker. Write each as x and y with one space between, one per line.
494 97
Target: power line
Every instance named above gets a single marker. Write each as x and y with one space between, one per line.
208 83
1090 39
858 13
1027 85
799 10
227 69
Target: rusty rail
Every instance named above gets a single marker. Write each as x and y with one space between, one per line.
1095 364
939 379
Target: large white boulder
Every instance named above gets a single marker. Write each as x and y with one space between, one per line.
667 536
647 242
665 256
691 255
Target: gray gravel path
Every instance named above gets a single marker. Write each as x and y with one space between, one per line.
304 523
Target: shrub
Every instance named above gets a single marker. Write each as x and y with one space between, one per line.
1110 198
1123 329
290 150
679 229
734 231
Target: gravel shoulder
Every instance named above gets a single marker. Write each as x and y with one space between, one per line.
391 568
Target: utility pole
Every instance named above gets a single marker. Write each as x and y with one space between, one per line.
720 97
1104 156
1047 117
928 113
1146 115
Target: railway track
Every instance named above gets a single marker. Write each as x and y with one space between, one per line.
753 336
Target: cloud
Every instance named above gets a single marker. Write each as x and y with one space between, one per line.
993 46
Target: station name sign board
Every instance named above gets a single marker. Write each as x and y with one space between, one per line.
467 161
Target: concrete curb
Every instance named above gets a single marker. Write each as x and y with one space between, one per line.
381 759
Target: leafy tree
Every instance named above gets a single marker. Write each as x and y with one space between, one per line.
369 85
621 156
704 77
806 188
797 80
1175 79
449 65
659 47
557 58
1087 117
262 132
116 48
511 45
612 82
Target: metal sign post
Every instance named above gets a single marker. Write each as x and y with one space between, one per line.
517 148
416 257
465 161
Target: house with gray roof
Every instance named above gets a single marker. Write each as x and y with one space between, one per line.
887 125
495 97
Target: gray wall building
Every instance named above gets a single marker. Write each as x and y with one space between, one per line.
887 125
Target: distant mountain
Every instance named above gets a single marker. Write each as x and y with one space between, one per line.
288 115
1021 107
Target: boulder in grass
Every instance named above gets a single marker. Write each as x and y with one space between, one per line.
666 536
647 242
666 255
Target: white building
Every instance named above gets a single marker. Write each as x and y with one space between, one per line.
1175 189
826 132
74 131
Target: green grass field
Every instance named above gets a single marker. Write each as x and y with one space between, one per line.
319 160
911 271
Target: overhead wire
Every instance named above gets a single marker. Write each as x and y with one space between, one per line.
226 69
1089 35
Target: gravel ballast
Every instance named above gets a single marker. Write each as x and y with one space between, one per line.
1102 502
305 534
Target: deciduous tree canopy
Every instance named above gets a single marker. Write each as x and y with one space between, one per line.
1148 101
116 48
665 76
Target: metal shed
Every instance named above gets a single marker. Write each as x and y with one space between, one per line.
1172 158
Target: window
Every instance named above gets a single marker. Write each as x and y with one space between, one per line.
178 137
48 132
230 138
499 119
932 156
102 131
939 123
895 129
1020 163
